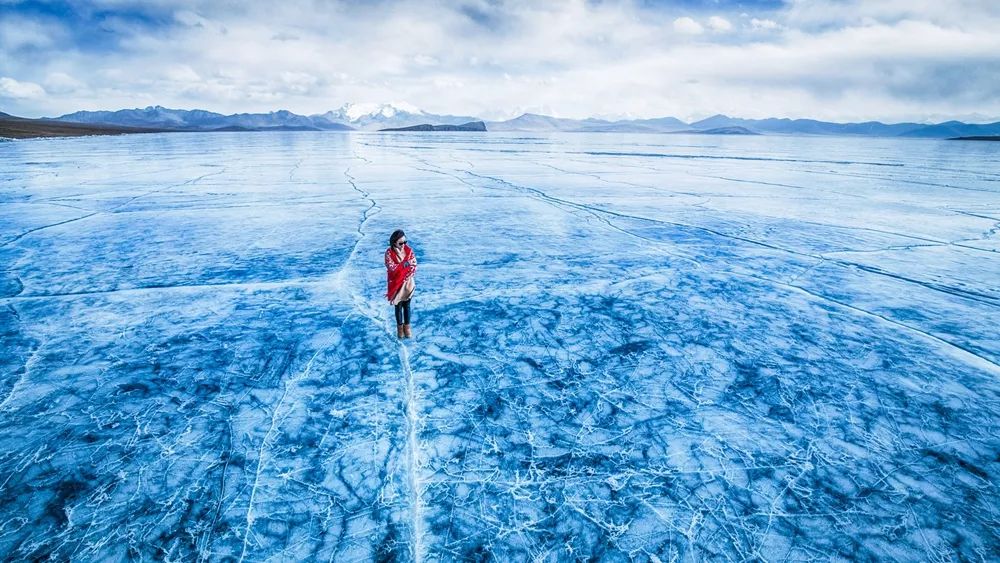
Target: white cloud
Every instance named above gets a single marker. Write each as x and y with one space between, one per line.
425 60
62 83
18 33
189 18
10 88
816 60
965 14
719 24
764 24
688 26
181 73
298 82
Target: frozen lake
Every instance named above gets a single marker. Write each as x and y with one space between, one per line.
627 347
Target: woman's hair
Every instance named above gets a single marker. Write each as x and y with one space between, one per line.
396 235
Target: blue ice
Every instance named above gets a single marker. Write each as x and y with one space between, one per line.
627 348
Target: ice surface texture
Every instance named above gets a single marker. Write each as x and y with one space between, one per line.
628 347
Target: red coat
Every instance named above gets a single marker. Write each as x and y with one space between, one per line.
396 272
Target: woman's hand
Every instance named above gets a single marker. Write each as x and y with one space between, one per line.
406 264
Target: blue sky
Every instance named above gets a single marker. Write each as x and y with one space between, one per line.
838 60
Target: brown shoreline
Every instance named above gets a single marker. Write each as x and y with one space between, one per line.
23 128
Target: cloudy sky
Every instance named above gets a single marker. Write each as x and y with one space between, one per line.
839 60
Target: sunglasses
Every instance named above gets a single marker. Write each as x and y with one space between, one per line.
400 242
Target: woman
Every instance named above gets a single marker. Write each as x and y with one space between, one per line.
400 265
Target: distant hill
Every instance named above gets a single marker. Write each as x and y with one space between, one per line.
200 120
22 128
153 116
806 126
378 117
544 123
955 129
718 124
731 130
471 126
868 128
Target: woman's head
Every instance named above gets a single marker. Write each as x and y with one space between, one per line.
397 239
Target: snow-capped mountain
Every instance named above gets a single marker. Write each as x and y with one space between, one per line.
356 112
372 116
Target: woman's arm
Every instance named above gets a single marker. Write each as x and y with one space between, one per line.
390 264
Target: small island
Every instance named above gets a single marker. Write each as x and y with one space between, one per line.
976 138
730 130
470 126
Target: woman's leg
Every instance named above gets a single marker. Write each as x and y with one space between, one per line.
399 312
406 319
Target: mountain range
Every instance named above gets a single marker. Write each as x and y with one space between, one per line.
350 117
374 117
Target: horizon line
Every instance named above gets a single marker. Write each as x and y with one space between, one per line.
926 121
